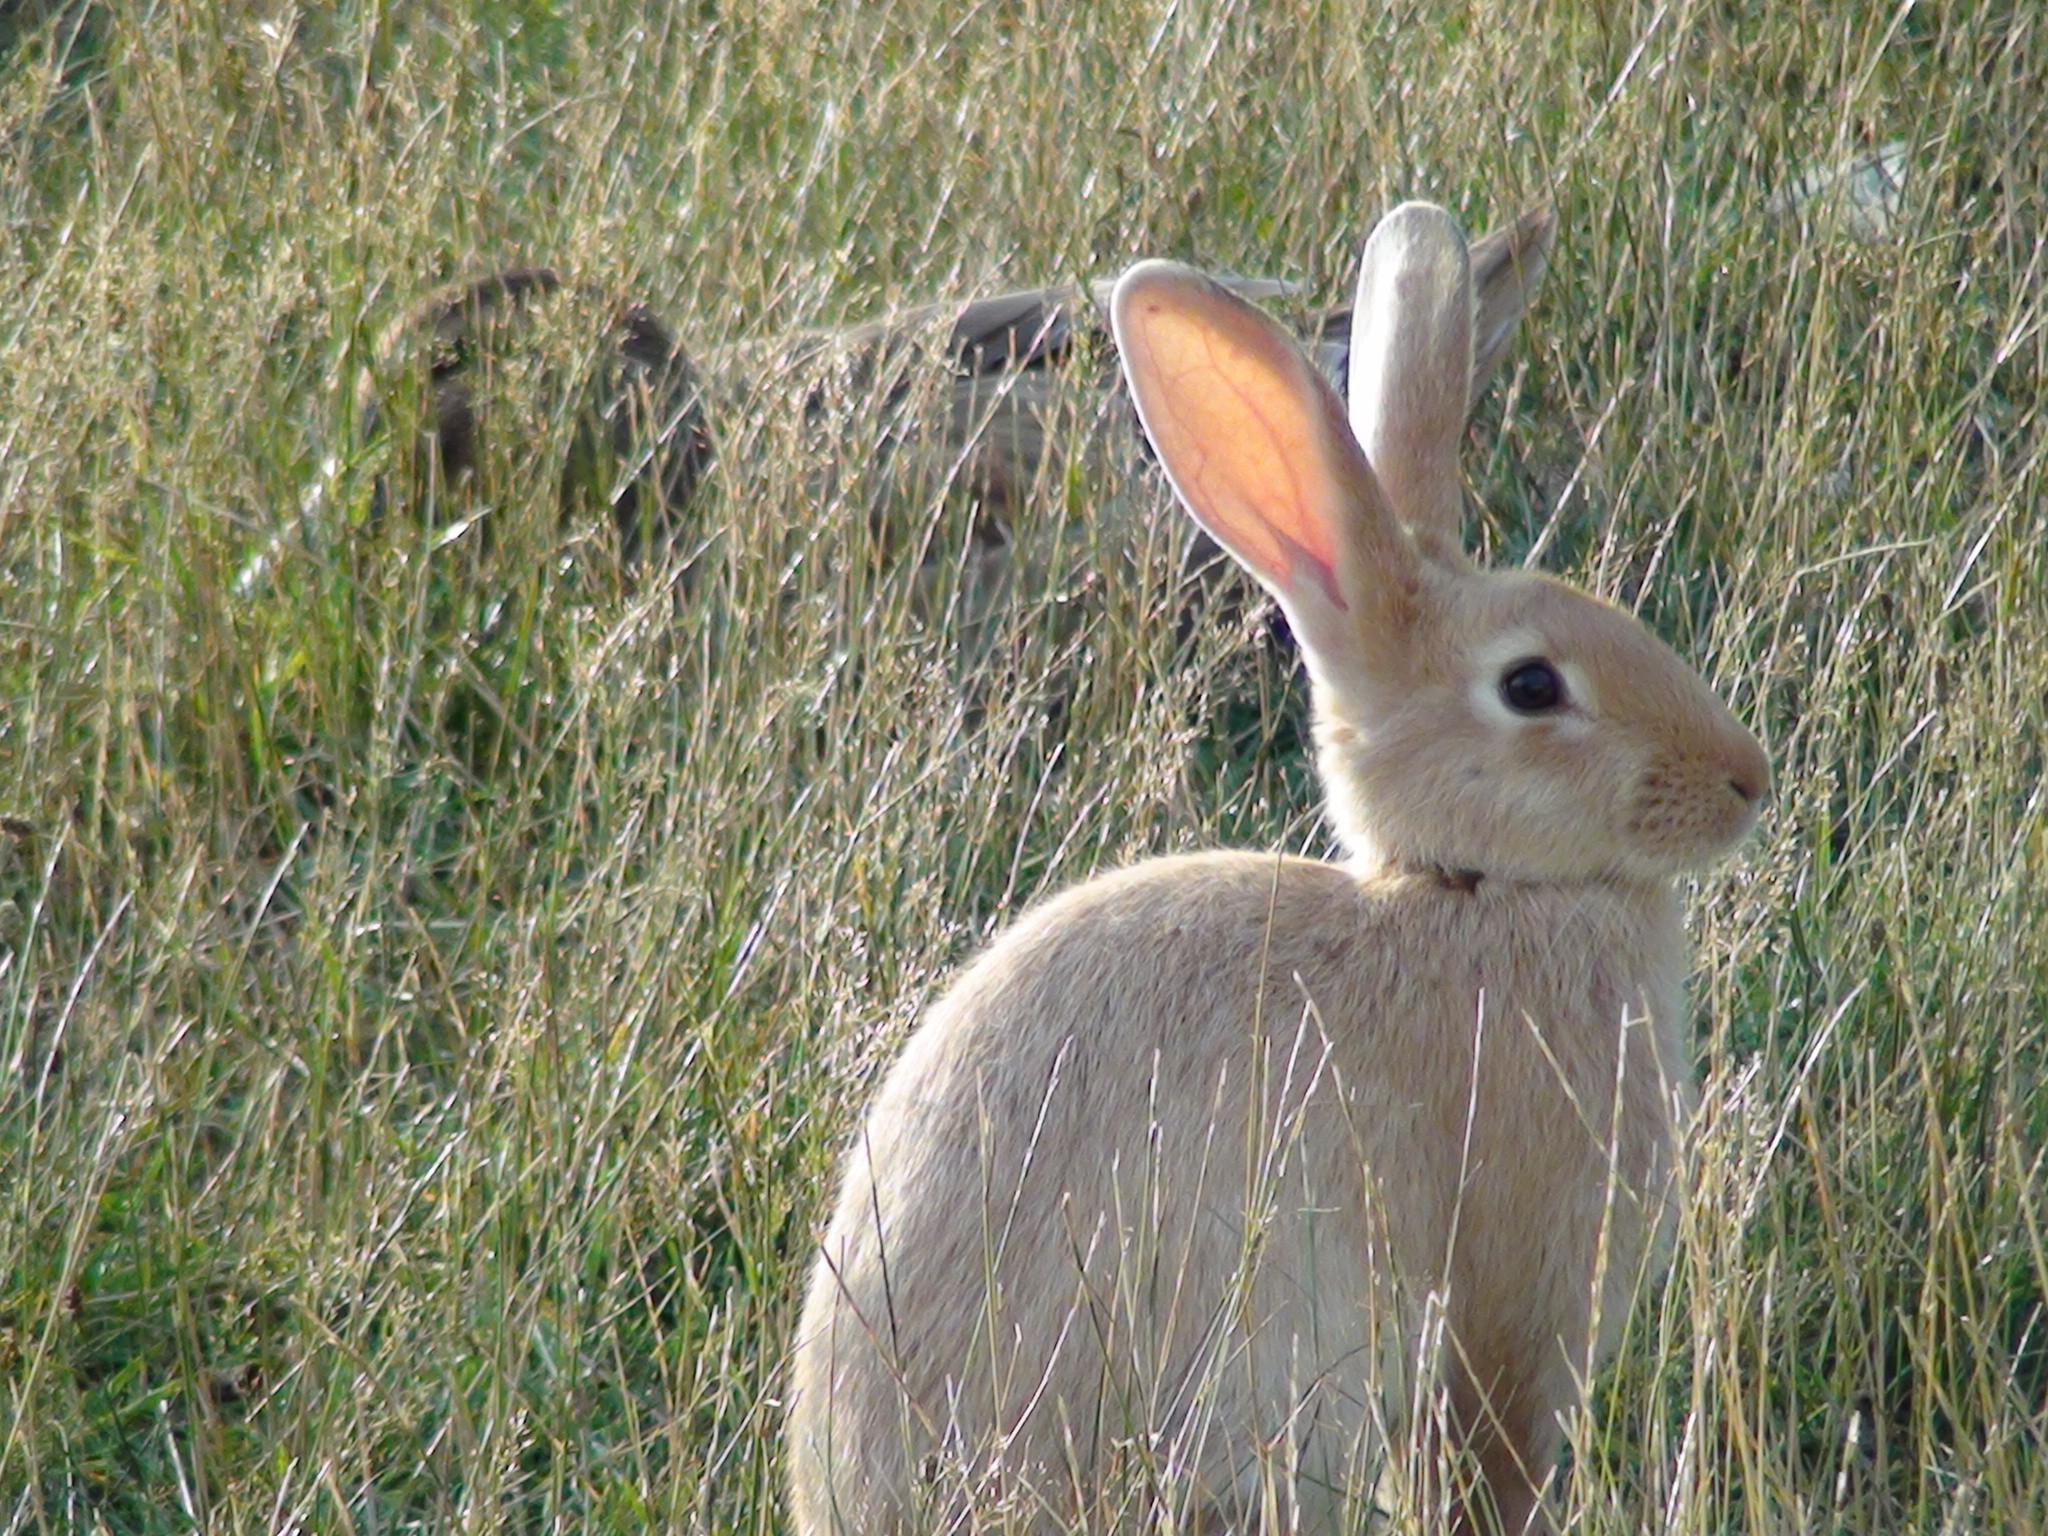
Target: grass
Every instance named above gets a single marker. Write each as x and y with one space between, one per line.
437 975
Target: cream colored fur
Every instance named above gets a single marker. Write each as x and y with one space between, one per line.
1221 1185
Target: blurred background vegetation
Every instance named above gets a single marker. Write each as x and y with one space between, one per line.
440 958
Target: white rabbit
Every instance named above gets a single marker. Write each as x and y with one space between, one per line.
1223 1170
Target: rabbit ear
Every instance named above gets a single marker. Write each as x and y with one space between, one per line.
1256 445
1411 367
1507 264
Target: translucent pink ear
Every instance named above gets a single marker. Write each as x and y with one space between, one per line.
1258 450
1411 366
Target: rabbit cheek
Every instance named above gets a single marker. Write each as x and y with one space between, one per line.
1535 792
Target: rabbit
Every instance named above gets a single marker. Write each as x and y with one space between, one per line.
1016 362
1252 1171
1013 371
643 400
994 398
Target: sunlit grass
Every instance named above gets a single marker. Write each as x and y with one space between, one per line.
437 974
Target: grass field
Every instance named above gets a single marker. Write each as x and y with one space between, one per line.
437 974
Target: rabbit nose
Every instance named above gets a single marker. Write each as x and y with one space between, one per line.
1750 784
1748 770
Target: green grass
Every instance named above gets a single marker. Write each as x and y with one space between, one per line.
436 977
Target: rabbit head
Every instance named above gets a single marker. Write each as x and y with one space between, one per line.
1468 721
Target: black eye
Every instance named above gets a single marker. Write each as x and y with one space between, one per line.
1532 687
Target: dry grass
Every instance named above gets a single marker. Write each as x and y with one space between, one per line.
436 976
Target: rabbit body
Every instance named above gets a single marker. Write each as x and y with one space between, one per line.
1214 1179
1176 1163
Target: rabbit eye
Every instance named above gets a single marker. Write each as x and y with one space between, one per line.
1532 688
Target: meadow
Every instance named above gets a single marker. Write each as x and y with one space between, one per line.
439 968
